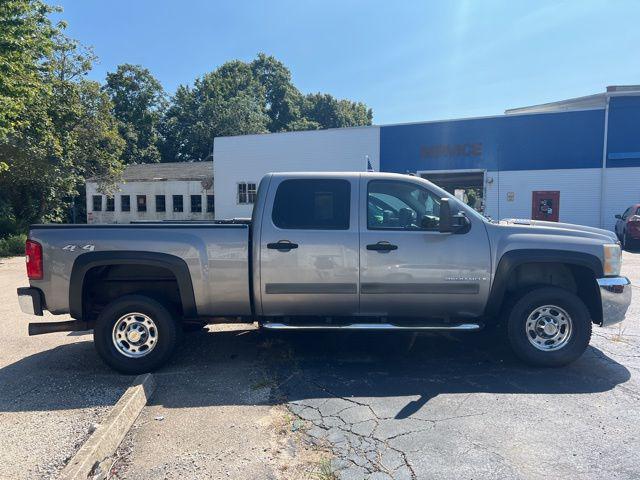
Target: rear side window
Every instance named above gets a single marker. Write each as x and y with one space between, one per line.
313 204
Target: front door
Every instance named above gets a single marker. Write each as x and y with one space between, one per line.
545 206
407 267
309 247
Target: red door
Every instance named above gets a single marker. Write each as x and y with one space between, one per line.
545 206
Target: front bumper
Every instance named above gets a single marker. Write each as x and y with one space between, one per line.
31 300
615 293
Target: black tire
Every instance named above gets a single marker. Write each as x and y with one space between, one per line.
577 341
168 333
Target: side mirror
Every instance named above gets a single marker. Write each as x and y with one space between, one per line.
618 216
457 223
445 216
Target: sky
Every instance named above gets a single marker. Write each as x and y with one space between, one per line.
408 60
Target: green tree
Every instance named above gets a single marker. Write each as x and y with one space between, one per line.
329 112
242 98
282 99
69 133
26 38
227 101
138 103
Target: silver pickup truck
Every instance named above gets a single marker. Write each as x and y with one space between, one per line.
324 251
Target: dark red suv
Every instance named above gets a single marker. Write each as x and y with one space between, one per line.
628 226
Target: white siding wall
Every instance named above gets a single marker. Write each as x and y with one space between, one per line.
247 158
167 188
622 189
579 193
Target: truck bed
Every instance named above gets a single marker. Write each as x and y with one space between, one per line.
215 254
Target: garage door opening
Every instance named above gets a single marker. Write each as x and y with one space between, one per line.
467 185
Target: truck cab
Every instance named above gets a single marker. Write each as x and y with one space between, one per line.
367 245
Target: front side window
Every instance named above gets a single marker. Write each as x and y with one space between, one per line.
125 203
160 203
246 193
111 204
177 203
97 203
196 203
396 205
313 204
142 203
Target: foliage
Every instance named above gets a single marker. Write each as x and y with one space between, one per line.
69 134
138 103
26 38
330 112
227 101
243 98
12 245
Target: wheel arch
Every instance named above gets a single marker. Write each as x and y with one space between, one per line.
87 261
576 262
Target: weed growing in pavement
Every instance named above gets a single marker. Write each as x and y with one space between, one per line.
619 337
324 471
264 383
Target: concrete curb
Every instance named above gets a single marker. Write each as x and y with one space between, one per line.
104 441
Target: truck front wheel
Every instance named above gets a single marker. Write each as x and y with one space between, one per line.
549 327
135 334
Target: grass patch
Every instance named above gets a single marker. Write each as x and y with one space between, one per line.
619 337
264 383
324 471
12 245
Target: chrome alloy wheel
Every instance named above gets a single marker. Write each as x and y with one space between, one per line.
135 335
549 328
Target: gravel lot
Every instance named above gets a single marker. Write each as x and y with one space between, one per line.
440 406
52 388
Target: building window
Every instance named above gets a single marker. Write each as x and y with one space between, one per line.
97 203
211 205
313 204
160 204
196 203
142 203
246 193
125 203
177 203
111 204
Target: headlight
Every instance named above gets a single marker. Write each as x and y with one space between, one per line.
612 260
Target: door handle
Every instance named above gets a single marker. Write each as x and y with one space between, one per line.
282 245
382 247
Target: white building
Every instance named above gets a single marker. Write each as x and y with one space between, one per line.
575 160
242 161
156 191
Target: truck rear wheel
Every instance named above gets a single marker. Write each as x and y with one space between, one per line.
135 334
549 327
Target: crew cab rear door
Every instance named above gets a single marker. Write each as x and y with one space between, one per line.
309 246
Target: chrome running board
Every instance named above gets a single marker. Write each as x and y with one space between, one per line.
371 326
